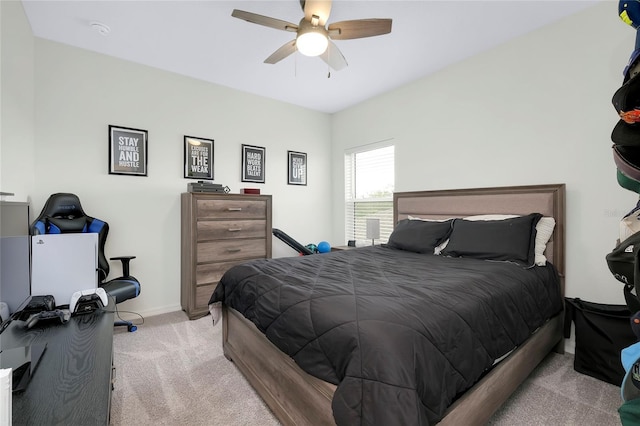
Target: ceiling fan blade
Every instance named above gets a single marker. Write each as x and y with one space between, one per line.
320 8
334 57
285 50
359 28
254 18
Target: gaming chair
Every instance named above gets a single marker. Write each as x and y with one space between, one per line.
63 213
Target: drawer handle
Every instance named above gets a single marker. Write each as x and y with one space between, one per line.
234 250
234 229
235 209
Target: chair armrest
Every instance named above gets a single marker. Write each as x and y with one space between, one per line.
122 258
125 263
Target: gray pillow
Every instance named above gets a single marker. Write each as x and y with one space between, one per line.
509 239
419 236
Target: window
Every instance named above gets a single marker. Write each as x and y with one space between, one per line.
369 184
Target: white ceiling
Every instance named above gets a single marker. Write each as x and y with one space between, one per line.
200 39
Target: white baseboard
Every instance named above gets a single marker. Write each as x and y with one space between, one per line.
131 315
570 343
570 346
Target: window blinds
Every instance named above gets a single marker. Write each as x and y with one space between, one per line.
369 185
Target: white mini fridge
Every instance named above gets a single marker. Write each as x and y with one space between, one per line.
62 264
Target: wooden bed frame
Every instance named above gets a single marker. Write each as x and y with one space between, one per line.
297 398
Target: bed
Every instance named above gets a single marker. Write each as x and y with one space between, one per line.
472 387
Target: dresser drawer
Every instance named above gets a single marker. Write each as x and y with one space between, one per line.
228 229
208 273
231 209
203 294
225 250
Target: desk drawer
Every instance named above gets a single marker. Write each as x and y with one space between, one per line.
225 250
231 209
229 229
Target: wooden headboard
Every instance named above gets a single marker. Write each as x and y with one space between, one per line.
549 200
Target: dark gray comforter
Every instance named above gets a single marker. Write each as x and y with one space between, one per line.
401 334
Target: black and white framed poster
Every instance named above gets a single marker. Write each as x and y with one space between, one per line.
297 173
198 158
253 163
127 151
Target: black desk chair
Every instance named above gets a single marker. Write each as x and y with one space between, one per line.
63 213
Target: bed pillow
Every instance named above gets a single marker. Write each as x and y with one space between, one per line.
510 240
419 236
544 231
444 242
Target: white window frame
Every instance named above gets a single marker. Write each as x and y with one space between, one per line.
355 229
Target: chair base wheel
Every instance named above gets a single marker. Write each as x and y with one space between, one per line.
130 327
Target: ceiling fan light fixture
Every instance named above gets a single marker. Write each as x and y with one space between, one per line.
312 41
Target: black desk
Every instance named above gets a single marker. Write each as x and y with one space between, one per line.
72 382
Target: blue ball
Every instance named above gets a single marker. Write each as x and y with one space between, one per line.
324 247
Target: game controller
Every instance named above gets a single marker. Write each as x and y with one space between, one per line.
34 305
61 314
87 301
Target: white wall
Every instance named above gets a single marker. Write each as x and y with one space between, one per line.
79 93
16 103
533 111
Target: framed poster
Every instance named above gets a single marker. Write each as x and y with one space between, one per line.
297 170
198 158
127 151
253 163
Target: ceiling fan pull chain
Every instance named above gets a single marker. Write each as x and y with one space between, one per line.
328 61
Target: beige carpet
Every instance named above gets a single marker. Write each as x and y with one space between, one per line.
172 372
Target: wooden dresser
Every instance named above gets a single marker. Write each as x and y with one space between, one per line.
218 232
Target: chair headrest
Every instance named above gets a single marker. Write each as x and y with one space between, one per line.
75 225
63 205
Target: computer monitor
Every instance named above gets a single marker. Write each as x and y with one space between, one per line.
15 276
22 360
14 315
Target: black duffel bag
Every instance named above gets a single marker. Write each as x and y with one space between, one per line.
601 332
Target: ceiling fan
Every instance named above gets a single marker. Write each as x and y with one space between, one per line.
313 38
